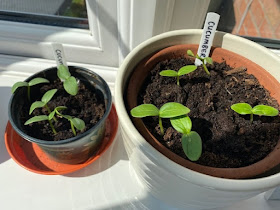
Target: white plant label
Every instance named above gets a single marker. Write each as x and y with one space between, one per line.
59 54
209 29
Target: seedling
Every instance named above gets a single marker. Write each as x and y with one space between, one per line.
70 83
168 110
184 70
32 82
43 103
261 110
203 60
74 121
50 117
191 141
40 118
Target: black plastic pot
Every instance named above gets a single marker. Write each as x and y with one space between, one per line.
73 150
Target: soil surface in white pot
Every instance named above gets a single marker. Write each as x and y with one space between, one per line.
88 105
229 140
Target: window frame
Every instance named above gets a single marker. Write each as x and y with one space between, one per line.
98 45
115 28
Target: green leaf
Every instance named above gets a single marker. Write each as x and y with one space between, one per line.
265 110
51 115
242 108
186 69
144 110
36 104
71 86
169 73
173 109
17 85
68 117
60 108
192 145
209 60
38 80
190 53
36 119
63 72
48 95
182 124
78 123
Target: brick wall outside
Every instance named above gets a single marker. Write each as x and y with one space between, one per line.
262 18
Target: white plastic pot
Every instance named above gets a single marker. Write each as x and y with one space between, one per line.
166 180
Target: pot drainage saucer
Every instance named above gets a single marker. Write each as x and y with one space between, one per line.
31 157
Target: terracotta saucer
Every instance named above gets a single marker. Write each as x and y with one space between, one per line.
31 157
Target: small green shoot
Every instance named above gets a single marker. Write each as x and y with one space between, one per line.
32 82
168 110
70 83
44 117
261 110
74 121
191 141
43 103
41 118
203 60
184 70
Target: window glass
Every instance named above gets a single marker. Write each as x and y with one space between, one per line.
75 8
257 19
67 13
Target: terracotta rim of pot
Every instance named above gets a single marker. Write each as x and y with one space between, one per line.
218 54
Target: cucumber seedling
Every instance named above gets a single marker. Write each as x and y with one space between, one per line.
32 82
191 141
182 71
74 121
43 103
168 110
70 83
261 110
203 60
50 117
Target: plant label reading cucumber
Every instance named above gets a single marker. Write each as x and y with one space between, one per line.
59 54
209 29
70 83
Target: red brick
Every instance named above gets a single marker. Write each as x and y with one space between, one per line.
257 12
237 13
242 31
266 30
234 30
272 13
242 6
250 26
261 2
277 32
236 3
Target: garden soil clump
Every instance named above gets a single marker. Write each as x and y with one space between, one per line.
87 105
229 140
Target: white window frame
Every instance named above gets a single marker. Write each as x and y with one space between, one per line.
98 45
141 19
115 28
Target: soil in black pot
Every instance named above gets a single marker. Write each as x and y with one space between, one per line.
229 139
87 105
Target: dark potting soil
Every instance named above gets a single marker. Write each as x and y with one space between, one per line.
87 105
229 139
